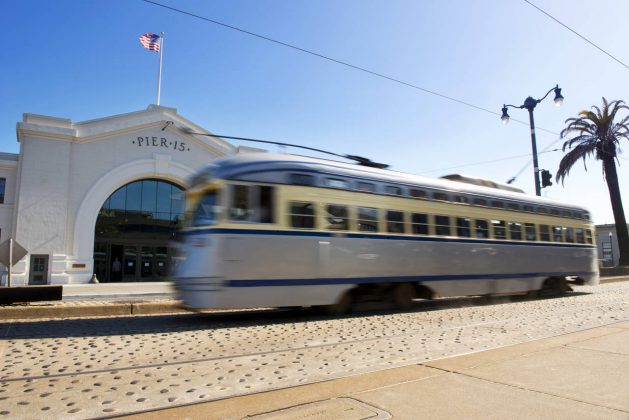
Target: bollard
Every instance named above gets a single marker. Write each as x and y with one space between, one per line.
94 280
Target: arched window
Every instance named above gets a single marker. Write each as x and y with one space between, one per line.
134 229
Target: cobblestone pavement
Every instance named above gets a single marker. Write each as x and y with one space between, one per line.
99 367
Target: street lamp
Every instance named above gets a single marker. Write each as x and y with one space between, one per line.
611 248
529 104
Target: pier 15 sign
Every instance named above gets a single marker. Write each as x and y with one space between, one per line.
161 142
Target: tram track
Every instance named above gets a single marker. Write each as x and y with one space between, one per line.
281 349
409 332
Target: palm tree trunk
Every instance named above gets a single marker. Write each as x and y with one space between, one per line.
622 233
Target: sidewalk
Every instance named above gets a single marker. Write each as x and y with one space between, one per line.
103 299
117 299
582 375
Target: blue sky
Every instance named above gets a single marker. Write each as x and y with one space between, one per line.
82 60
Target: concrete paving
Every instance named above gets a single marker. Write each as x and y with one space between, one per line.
550 358
582 375
118 299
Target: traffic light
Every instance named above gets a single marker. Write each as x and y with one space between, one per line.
546 178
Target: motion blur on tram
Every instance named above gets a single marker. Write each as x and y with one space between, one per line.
278 230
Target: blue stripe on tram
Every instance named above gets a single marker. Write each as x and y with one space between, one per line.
343 234
366 280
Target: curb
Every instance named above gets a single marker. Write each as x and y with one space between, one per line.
91 310
103 309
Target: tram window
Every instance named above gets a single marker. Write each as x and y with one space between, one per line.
366 186
557 234
440 196
418 193
515 230
500 232
302 215
586 215
301 179
367 219
460 199
395 221
529 230
566 213
569 234
580 236
542 210
337 217
482 229
442 225
480 201
463 227
419 223
390 189
528 208
544 233
513 206
205 214
588 236
337 183
265 209
251 204
497 204
554 212
240 208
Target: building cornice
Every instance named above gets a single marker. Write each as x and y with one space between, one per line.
63 129
46 132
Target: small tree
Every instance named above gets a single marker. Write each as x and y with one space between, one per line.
597 134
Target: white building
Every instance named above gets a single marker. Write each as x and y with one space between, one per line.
607 243
100 196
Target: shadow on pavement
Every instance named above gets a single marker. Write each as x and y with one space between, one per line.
215 320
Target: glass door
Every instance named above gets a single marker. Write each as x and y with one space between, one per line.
161 262
130 263
147 263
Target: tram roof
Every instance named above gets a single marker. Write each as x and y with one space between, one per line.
252 166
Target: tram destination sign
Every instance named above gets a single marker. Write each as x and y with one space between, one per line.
160 142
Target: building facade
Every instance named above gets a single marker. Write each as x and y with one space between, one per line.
607 243
101 196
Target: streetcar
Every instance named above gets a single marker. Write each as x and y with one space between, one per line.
280 230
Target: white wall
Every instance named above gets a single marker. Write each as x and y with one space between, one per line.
66 172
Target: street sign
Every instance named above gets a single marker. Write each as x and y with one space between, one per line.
5 250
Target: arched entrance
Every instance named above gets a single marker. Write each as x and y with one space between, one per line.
133 231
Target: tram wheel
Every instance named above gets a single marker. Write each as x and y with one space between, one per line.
555 286
403 295
342 307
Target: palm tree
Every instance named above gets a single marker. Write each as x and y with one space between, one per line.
597 134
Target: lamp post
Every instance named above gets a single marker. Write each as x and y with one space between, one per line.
611 248
530 104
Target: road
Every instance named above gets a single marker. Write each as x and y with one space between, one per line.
99 367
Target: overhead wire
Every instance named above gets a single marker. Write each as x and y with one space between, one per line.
530 162
334 60
577 34
365 70
489 161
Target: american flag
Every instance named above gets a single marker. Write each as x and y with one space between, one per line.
150 41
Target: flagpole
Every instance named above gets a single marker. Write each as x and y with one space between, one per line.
159 71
